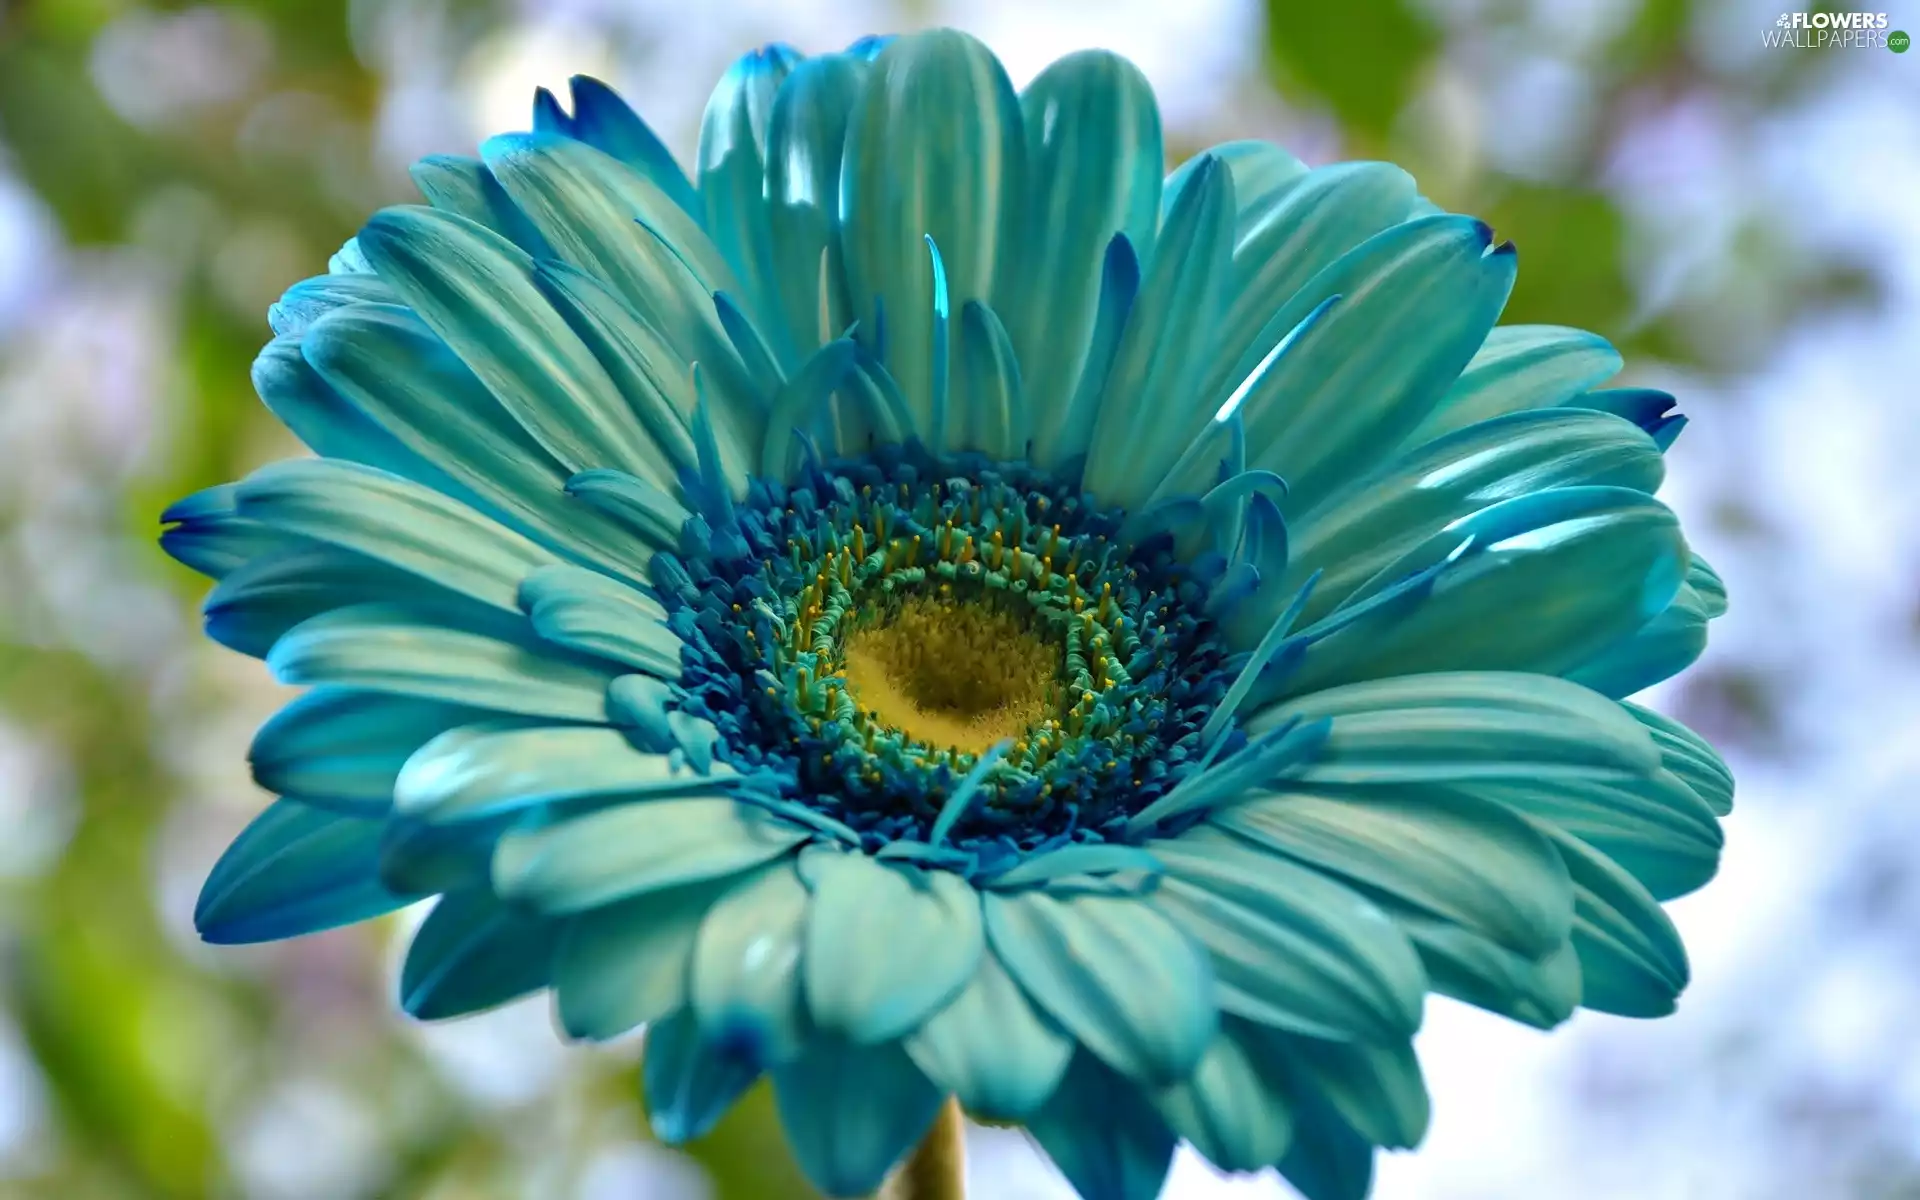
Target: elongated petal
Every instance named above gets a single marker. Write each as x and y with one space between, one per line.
1521 367
628 963
941 101
1231 1110
1329 1161
1416 302
1103 1135
602 120
476 290
380 649
806 132
1375 1088
590 613
636 848
1631 961
1463 964
1472 862
207 534
465 188
1291 947
690 1084
745 985
1571 571
851 1112
732 162
296 869
256 603
1093 146
1361 529
394 521
310 299
477 772
327 421
1657 829
928 923
344 749
1263 175
473 953
1120 978
1662 648
399 375
991 1048
1688 756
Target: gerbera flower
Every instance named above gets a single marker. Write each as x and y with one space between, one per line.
928 608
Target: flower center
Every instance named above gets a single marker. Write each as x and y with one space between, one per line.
950 672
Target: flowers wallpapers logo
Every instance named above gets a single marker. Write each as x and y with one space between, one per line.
928 610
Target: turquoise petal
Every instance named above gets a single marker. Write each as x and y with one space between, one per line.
852 1112
296 869
629 963
1656 828
1570 571
1148 397
602 120
329 423
745 987
1361 529
465 188
394 521
991 392
619 852
1290 947
991 1048
1103 1135
689 1084
1521 367
1660 649
1232 1110
207 534
348 260
1303 229
732 165
637 505
473 953
476 290
1122 979
940 101
1450 726
1329 1161
378 648
1707 585
1094 151
392 369
1416 301
1632 963
927 921
418 857
1263 175
259 601
343 749
800 403
1688 756
310 299
1541 992
1472 862
482 771
806 132
1376 1089
588 612
1060 442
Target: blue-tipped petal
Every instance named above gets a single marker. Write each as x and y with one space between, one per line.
636 848
296 869
1263 175
745 986
942 102
1093 145
465 188
603 120
1103 1135
257 602
1521 367
732 165
690 1084
1061 438
1120 978
1416 302
806 132
991 1048
378 648
473 953
852 1112
626 964
343 749
207 534
929 923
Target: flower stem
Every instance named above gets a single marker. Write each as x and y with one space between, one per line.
936 1170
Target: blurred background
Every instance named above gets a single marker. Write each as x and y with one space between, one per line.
1743 220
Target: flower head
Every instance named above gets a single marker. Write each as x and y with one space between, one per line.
929 607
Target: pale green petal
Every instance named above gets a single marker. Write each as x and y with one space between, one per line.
991 1048
625 964
746 988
